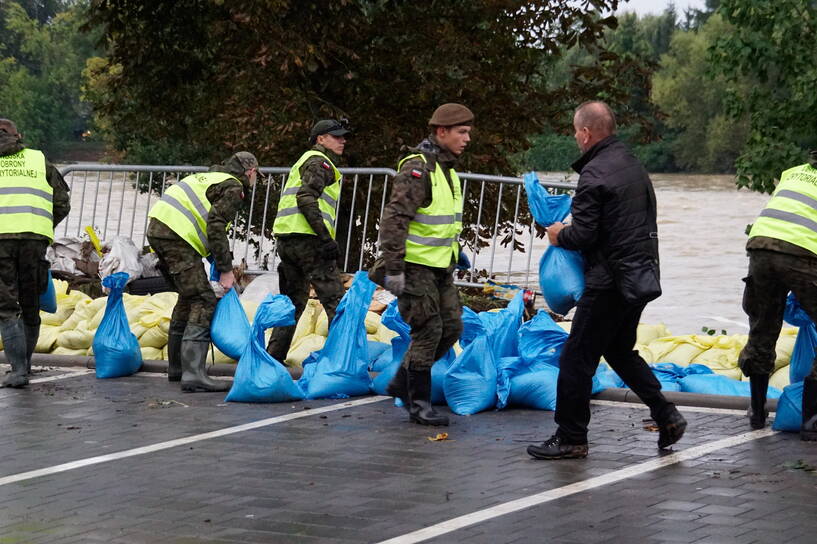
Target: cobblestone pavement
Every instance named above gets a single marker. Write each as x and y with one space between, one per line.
362 473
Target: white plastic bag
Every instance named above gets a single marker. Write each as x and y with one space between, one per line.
122 256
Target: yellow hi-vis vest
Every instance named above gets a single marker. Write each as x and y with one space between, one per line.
435 229
26 198
791 214
289 219
184 208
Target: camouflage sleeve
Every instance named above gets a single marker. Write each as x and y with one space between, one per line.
408 192
226 198
61 197
314 177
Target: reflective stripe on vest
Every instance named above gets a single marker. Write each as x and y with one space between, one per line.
26 198
289 219
791 213
184 208
434 231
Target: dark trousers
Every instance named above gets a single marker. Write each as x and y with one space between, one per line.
604 325
771 276
23 277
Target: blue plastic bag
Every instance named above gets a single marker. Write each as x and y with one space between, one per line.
789 415
561 271
230 328
116 349
669 374
716 384
48 299
802 356
607 377
470 382
541 340
530 385
341 368
502 327
258 376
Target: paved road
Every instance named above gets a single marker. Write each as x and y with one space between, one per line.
134 461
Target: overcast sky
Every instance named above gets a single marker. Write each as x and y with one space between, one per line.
655 7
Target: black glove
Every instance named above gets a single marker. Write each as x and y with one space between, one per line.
329 250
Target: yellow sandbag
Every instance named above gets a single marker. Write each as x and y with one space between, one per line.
85 310
722 353
164 353
676 349
300 351
250 307
372 322
151 354
306 324
68 351
645 353
153 337
385 334
780 378
733 373
647 333
47 339
137 329
132 304
65 307
156 309
784 347
75 339
565 325
322 324
220 358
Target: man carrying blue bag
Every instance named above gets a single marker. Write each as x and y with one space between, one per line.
188 223
33 200
614 226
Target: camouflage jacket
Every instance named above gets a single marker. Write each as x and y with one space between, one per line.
407 194
314 177
226 199
61 198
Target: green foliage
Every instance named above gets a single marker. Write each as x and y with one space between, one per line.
41 61
769 63
549 152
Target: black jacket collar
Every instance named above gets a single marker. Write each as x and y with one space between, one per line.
588 156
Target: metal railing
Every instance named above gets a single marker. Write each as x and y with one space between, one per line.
115 199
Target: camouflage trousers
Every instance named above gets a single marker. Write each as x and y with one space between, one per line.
23 277
181 266
771 276
430 304
301 265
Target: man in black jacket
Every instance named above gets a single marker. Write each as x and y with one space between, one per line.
614 226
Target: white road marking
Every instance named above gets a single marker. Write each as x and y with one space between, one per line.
637 469
12 478
697 409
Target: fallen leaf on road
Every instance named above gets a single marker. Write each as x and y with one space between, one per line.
439 437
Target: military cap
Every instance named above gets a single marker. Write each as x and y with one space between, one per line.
451 114
247 159
327 126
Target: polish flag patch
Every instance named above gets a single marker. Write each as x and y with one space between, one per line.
326 165
416 174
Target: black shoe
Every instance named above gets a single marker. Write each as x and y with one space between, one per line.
671 430
554 448
398 387
758 383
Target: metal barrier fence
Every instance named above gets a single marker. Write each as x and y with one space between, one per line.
499 234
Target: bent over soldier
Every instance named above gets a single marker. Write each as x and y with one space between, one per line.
188 223
419 240
305 230
33 200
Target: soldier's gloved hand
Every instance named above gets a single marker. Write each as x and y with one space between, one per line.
395 283
463 262
329 250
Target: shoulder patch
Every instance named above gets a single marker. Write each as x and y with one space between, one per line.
326 165
416 173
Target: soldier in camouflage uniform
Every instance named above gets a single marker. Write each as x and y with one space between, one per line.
419 244
33 200
305 230
188 223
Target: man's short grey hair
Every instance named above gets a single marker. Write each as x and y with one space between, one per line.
7 125
597 116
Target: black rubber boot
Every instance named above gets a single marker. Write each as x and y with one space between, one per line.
419 392
174 350
759 384
808 431
14 346
194 348
32 335
398 386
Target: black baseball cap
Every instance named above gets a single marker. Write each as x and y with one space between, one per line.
328 126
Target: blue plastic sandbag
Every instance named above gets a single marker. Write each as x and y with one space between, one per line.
48 299
802 356
789 415
607 377
258 376
530 385
230 328
561 271
541 340
438 372
116 349
669 374
502 327
470 382
716 384
341 368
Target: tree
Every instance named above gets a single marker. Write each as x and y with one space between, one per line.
772 49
